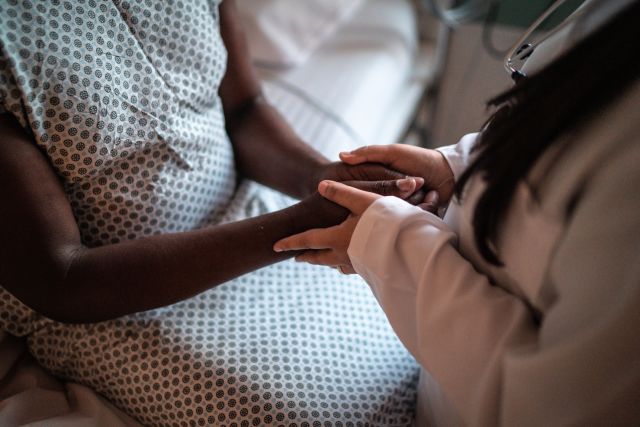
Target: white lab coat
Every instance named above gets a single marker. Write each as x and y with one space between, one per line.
553 337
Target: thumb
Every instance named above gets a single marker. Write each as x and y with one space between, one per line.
356 200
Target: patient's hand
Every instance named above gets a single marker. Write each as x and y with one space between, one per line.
328 246
409 160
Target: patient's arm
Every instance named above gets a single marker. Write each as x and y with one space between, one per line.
266 148
44 263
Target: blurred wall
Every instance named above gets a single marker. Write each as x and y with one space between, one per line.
471 76
473 68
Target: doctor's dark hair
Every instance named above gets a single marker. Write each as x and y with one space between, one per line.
538 110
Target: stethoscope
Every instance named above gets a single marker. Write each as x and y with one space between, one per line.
521 50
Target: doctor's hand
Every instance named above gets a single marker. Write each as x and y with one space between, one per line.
414 161
380 177
328 246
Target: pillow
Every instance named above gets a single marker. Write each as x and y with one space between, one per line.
283 33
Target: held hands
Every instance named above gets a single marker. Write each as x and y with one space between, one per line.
372 177
392 162
369 175
409 160
328 246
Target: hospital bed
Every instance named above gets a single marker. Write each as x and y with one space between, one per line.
363 86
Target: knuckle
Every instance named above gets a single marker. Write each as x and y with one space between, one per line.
394 174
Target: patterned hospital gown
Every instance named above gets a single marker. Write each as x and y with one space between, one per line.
122 98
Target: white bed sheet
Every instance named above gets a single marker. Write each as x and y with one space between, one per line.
340 98
30 396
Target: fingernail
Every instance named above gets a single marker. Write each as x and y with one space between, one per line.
406 184
322 187
432 197
277 249
348 156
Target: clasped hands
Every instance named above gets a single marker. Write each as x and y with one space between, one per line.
428 183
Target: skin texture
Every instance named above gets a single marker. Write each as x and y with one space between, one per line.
45 264
328 246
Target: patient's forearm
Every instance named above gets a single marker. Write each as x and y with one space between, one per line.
266 148
114 280
44 264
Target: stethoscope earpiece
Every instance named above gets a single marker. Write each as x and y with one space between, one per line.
517 76
521 50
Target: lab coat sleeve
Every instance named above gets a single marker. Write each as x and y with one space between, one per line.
494 362
449 317
459 155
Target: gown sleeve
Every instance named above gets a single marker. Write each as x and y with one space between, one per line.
495 361
5 76
11 95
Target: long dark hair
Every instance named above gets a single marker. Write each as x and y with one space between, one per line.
539 109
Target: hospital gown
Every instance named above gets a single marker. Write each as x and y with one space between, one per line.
122 97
